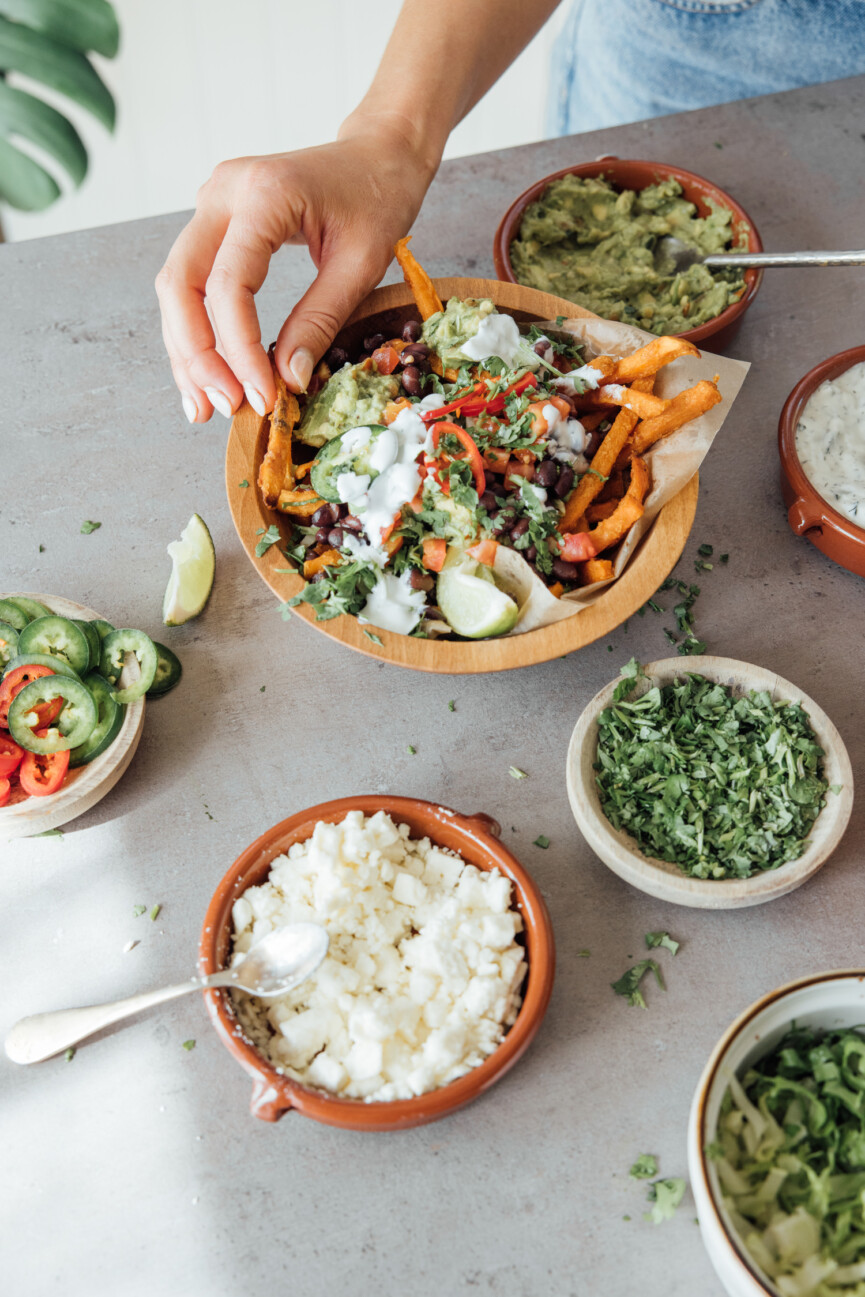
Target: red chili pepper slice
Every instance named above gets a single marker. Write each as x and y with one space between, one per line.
472 453
14 682
41 774
473 403
11 756
5 791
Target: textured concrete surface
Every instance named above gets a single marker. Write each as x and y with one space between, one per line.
136 1167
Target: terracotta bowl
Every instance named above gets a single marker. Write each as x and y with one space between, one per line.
808 514
386 310
667 882
475 838
626 173
825 1000
86 785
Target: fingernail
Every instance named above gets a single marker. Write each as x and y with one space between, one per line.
301 366
255 399
190 409
219 401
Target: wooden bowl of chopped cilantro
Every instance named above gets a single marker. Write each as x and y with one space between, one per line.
719 786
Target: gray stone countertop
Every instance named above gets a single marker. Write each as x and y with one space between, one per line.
136 1167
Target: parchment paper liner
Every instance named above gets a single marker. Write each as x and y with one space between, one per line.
673 461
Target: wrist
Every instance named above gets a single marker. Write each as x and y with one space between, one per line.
397 134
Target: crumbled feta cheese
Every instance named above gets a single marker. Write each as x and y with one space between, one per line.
423 973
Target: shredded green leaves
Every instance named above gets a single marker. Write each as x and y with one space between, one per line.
628 984
665 1196
270 537
724 786
645 1167
655 939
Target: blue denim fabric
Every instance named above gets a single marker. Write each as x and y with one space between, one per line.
622 61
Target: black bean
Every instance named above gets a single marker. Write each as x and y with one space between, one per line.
336 358
318 576
565 482
547 473
325 516
335 538
432 613
351 523
530 554
420 581
519 529
488 501
593 442
411 330
415 352
373 341
564 570
322 534
411 380
503 521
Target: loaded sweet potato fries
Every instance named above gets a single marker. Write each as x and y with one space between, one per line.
405 468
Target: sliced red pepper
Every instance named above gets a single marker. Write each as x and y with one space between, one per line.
472 453
14 682
578 547
484 552
41 774
5 791
11 756
473 402
497 404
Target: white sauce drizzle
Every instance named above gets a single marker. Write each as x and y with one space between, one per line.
497 335
830 442
393 605
586 374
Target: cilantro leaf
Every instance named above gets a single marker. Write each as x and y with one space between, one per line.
243 483
516 773
138 910
188 1045
542 841
664 939
631 672
370 636
645 1167
665 1196
628 984
271 537
87 527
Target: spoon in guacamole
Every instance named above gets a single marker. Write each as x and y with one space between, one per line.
673 257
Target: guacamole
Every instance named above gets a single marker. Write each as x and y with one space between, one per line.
590 243
353 397
447 330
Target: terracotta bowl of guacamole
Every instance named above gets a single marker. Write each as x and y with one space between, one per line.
550 235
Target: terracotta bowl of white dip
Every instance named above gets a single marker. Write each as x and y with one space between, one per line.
811 514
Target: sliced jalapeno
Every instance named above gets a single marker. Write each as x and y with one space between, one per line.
13 615
56 637
40 660
109 721
168 671
355 451
73 725
94 642
30 607
114 649
8 642
102 627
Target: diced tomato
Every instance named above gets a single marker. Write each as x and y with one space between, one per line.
385 359
14 682
516 469
435 550
5 791
577 547
43 774
11 756
484 552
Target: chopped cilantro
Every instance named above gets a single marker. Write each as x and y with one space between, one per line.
628 984
835 788
375 639
138 910
41 549
154 913
645 1167
188 1045
243 483
542 841
285 611
724 558
270 537
516 773
583 954
705 551
665 1196
411 750
691 646
342 589
48 833
87 527
452 706
70 1054
714 1150
664 939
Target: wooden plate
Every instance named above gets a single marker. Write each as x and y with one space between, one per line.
385 310
668 882
86 785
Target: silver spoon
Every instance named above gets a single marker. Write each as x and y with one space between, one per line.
276 964
672 256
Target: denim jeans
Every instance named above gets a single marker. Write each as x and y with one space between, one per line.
625 60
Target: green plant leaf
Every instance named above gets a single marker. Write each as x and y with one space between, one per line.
80 24
54 65
25 115
23 183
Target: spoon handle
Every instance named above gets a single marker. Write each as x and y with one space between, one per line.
39 1037
745 259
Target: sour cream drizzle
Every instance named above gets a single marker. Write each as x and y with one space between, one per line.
830 442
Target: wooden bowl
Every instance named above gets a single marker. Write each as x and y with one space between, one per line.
666 881
626 173
385 310
475 838
86 785
808 514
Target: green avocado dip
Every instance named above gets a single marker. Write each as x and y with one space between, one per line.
353 397
590 243
447 330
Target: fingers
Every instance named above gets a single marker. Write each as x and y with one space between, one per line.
346 275
239 270
205 380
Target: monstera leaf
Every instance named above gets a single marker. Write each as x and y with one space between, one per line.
48 41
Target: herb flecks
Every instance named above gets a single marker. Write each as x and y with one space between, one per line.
665 1196
655 939
270 537
645 1167
88 526
628 984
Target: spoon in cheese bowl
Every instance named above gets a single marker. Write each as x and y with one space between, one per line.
276 964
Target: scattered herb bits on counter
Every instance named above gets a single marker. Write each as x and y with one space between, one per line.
423 975
722 785
790 1156
61 702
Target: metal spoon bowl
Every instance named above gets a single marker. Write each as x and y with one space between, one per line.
671 257
276 964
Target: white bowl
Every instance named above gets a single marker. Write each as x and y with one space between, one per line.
86 785
667 881
824 1000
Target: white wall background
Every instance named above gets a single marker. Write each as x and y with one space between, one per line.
197 81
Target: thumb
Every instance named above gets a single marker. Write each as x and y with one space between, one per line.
345 277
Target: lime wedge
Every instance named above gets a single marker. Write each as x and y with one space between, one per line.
472 604
193 562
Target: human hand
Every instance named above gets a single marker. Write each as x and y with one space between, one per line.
349 202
